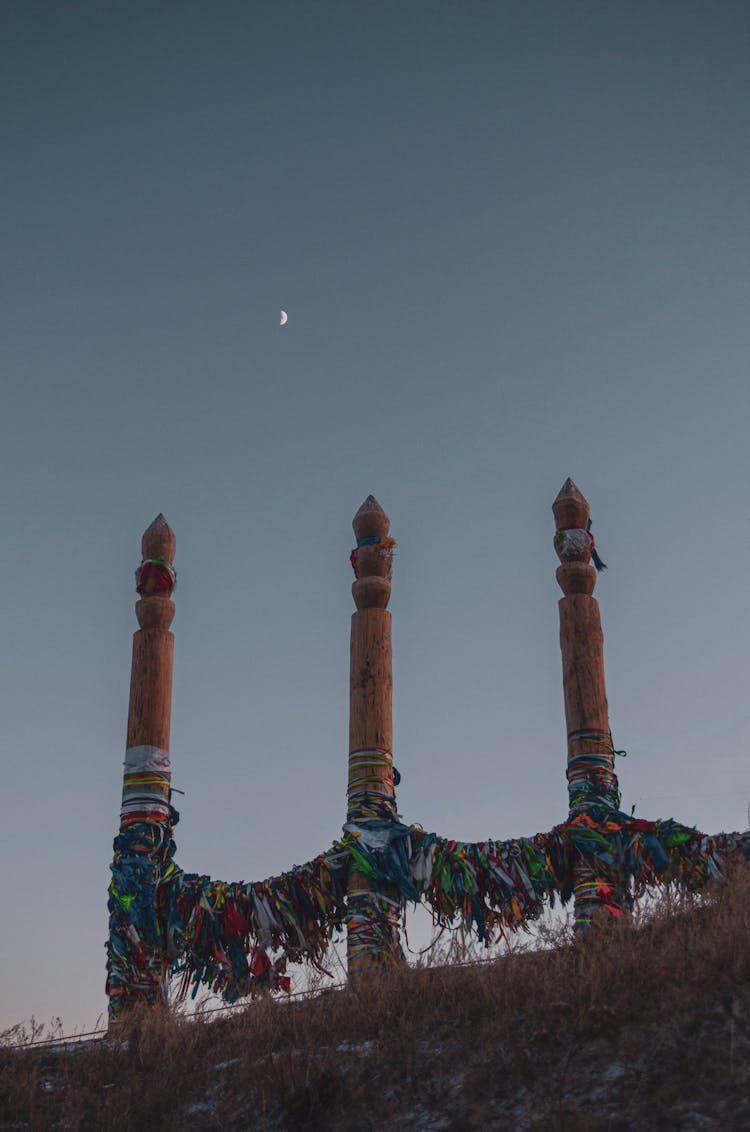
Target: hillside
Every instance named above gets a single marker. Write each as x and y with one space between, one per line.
626 1029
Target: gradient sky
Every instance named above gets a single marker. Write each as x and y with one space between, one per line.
512 239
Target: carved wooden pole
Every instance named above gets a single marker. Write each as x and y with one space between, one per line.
592 782
372 918
150 707
137 962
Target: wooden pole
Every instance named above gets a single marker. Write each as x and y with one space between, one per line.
137 962
372 918
592 782
150 706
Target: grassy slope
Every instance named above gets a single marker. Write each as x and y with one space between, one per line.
624 1030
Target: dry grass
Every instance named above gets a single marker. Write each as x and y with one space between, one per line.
631 1028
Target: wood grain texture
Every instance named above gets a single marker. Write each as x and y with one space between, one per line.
582 648
150 709
371 681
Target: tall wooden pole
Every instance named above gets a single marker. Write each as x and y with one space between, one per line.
150 706
592 782
372 918
137 962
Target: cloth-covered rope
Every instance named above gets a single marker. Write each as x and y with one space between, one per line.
236 938
220 934
497 884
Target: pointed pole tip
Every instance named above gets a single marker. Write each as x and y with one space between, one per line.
571 508
159 522
371 519
570 490
371 504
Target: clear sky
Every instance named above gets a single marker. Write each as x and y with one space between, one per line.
512 240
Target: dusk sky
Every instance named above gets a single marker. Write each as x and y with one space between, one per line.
512 239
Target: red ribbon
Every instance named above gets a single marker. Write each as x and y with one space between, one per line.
159 576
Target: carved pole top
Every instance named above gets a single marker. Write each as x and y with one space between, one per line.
158 540
372 557
155 577
571 508
573 543
371 519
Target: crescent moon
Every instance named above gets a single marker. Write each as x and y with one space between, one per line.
283 318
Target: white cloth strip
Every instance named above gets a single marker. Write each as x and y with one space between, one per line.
372 838
147 758
146 808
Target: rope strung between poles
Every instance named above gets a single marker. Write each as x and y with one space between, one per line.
235 939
